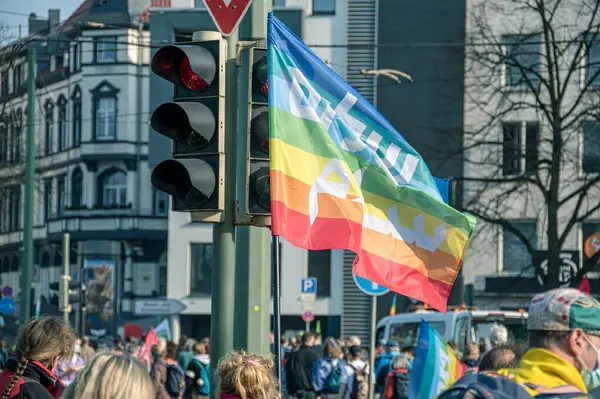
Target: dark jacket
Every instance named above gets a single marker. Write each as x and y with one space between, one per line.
193 374
299 368
37 382
396 385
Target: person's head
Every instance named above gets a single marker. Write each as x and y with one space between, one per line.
247 376
332 349
206 342
354 341
567 322
111 376
45 339
380 346
502 357
159 350
401 361
308 338
85 340
392 347
409 351
355 352
183 341
472 352
189 345
271 338
171 352
293 342
77 346
200 349
498 335
318 339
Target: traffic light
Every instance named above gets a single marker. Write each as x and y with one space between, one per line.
258 195
58 298
195 123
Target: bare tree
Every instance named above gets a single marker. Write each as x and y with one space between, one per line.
532 86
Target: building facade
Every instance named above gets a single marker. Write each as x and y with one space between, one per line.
91 159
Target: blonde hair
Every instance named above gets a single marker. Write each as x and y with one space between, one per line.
43 339
161 348
111 376
400 361
247 376
473 352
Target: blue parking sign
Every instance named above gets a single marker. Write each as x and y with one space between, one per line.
369 287
309 285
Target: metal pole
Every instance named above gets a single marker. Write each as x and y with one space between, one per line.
223 278
253 251
80 274
373 342
66 275
276 307
27 257
307 328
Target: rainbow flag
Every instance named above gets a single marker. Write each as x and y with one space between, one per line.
435 367
343 178
393 307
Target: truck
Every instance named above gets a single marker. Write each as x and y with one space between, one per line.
462 326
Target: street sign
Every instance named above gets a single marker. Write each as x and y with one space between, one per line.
152 307
369 287
308 316
227 14
569 266
7 290
7 306
309 285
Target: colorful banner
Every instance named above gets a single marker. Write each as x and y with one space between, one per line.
99 295
343 178
393 307
435 367
163 330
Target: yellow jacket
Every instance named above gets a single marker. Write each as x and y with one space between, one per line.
543 368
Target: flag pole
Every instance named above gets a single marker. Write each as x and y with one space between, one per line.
276 306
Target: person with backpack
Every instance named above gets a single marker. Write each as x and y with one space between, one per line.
358 374
29 372
159 370
397 380
330 376
175 383
299 369
564 356
384 364
197 375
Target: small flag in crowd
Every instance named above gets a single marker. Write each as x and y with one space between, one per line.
343 178
318 327
435 367
584 284
393 307
144 352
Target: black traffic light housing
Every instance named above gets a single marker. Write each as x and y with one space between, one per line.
57 299
195 122
258 193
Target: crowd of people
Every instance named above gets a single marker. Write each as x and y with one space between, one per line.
560 360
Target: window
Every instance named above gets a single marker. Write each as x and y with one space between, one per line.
4 212
48 211
201 268
61 194
106 49
15 208
523 60
62 123
49 127
17 136
516 157
3 143
76 57
76 188
517 260
114 188
592 71
161 202
407 334
323 7
162 275
5 83
9 134
17 77
279 3
591 148
319 266
76 117
106 110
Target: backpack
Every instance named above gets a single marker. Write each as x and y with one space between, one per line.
175 380
496 386
334 379
204 388
360 384
383 373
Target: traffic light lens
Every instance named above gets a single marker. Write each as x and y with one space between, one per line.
259 129
260 181
265 88
190 79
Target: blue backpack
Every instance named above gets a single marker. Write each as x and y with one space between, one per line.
175 380
496 386
334 379
204 388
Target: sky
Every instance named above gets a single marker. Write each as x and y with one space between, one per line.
39 7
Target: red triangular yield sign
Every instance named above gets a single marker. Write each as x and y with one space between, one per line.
227 14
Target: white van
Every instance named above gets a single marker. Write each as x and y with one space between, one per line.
462 326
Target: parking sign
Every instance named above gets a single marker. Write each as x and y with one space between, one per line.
309 285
